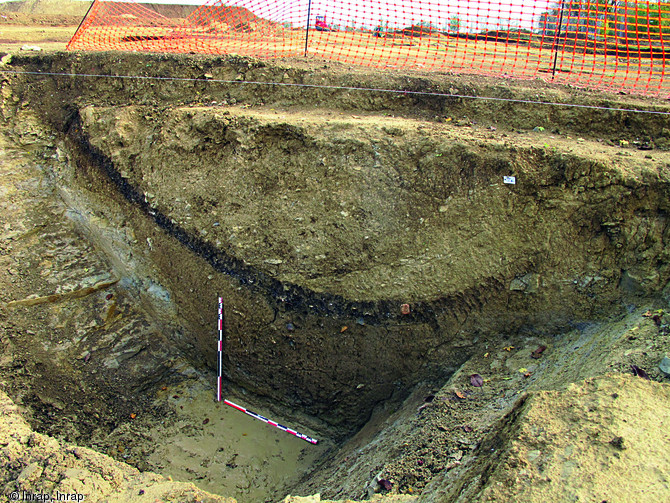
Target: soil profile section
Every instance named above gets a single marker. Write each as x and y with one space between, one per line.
281 340
314 335
272 212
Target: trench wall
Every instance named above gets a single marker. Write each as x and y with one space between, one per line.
316 228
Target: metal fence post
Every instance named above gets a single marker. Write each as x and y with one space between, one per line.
309 11
556 37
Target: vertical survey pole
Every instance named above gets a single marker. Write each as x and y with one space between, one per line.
557 35
219 383
76 32
309 13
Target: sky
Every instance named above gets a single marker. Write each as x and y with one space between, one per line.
474 15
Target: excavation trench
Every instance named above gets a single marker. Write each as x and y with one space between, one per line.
315 238
357 255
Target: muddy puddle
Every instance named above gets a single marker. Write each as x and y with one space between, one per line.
225 451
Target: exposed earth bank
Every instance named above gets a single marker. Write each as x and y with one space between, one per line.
383 286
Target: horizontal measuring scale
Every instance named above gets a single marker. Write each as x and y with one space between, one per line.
271 422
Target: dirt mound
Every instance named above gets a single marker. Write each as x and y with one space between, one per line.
605 439
34 463
60 7
228 14
80 8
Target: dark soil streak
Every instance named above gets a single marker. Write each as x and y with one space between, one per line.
285 297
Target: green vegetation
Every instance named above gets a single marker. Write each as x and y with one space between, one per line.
612 19
454 24
643 18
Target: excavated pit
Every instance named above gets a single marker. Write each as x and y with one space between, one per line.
321 228
307 225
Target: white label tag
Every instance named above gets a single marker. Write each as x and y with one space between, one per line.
509 179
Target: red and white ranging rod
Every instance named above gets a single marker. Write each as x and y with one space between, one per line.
219 381
271 422
219 390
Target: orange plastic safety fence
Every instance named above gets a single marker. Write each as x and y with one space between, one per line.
600 44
